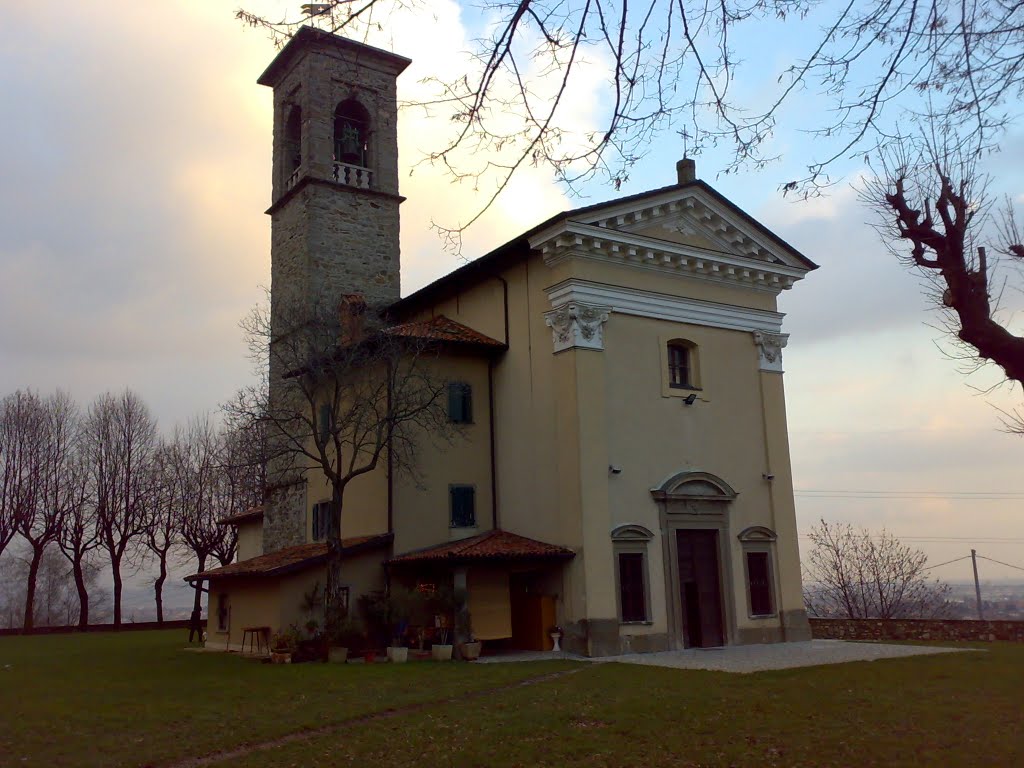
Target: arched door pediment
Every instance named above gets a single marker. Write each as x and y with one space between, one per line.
694 486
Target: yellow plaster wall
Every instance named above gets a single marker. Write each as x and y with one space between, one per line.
250 539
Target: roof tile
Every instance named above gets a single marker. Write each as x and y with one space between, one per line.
489 546
444 329
291 558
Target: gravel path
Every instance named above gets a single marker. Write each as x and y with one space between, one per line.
751 658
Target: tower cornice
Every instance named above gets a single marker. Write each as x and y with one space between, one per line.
309 38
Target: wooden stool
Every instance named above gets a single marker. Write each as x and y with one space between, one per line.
257 634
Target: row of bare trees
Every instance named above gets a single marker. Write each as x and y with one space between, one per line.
105 490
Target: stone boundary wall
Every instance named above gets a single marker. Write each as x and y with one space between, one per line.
126 627
918 629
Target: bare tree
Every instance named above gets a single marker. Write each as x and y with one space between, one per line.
347 395
21 435
937 218
197 461
53 424
79 534
56 601
162 524
120 437
672 65
852 573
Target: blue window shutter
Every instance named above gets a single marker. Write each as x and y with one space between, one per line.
467 403
462 506
454 403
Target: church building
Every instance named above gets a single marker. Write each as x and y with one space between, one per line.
615 377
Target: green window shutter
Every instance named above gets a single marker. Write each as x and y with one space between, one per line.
467 403
454 403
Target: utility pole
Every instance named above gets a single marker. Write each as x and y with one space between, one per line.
977 586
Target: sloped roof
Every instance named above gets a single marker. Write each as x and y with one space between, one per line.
443 329
518 249
255 513
291 558
496 545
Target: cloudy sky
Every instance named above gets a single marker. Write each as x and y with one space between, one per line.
135 169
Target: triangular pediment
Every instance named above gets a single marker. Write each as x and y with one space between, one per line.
696 216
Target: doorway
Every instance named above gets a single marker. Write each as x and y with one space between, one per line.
700 588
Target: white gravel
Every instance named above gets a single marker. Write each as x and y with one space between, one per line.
750 658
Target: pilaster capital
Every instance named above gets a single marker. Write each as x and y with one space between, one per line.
575 324
770 346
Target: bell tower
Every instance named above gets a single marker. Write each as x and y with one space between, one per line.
334 211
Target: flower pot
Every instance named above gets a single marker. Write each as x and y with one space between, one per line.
555 642
337 655
441 652
280 657
471 651
398 655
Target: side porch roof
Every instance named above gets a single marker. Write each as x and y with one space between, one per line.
292 559
492 546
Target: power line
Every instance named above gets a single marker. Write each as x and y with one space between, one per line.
943 539
948 562
919 493
993 560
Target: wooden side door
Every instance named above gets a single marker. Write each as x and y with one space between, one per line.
700 588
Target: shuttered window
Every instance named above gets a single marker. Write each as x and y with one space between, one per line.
679 365
460 402
760 584
463 502
321 520
632 600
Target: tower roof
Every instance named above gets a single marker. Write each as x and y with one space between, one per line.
310 38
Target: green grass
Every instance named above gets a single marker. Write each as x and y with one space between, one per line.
137 699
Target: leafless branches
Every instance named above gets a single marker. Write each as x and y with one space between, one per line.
853 574
674 64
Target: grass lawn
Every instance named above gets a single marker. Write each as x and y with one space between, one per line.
136 699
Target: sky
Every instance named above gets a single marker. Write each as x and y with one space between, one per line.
135 169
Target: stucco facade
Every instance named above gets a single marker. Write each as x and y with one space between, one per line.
630 412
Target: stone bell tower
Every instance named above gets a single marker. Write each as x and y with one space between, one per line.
334 212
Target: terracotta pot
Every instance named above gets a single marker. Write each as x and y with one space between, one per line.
398 655
441 652
471 651
337 655
280 657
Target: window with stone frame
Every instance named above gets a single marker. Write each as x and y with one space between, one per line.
629 543
223 612
682 364
462 509
758 544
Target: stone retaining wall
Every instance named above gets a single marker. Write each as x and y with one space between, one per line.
917 629
135 626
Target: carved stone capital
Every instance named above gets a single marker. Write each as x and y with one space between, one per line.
576 324
770 349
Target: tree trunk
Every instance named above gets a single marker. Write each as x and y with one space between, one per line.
83 593
158 588
115 567
30 587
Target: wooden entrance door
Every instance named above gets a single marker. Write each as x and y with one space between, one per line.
700 589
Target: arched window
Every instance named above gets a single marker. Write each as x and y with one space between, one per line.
292 145
351 134
682 364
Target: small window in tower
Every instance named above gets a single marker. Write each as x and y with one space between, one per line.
351 134
460 402
292 146
462 506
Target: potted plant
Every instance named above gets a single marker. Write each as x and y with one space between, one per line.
556 638
443 604
281 647
343 637
402 603
470 647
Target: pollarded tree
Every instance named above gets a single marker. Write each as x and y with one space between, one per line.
851 573
163 518
120 440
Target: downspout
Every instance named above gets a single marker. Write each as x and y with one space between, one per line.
391 464
490 415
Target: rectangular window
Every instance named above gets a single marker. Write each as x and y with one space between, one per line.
760 584
324 426
463 503
632 599
223 612
678 366
321 520
460 402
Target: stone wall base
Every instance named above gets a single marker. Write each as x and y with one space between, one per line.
918 629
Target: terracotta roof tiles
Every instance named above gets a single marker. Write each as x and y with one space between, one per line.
255 513
493 545
443 329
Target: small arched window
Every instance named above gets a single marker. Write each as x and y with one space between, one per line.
351 134
682 364
293 143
